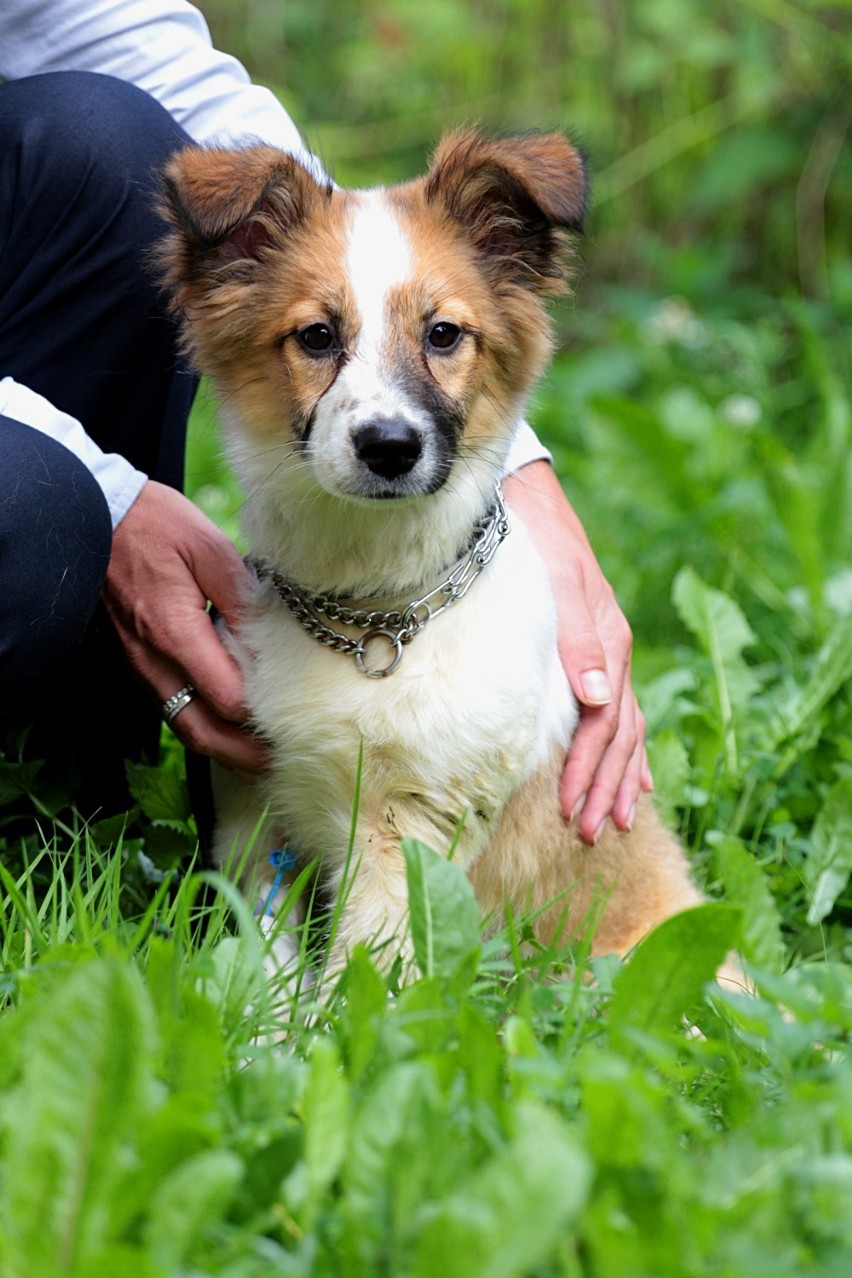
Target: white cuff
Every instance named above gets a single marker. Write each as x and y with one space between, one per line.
526 447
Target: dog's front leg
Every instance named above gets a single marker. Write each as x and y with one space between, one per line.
248 844
370 885
371 895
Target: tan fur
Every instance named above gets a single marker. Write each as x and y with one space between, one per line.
628 883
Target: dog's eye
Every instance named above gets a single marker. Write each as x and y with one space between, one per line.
317 338
444 336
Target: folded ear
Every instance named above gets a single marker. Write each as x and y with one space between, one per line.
226 206
513 196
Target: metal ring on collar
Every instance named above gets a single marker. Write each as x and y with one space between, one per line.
395 642
181 699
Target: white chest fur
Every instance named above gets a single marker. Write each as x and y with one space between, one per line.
477 703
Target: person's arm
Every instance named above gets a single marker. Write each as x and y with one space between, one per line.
606 765
161 46
168 559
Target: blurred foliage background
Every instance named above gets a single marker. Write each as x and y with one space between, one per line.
715 131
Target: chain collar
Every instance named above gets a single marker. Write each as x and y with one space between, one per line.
398 626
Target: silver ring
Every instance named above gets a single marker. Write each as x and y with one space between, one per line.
180 700
378 672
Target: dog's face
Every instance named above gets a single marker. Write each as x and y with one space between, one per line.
382 337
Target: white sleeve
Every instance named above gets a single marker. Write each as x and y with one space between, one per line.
163 47
526 447
121 483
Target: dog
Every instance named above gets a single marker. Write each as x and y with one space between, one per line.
373 351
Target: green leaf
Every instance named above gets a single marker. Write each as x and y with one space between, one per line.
325 1110
723 632
670 766
746 886
160 793
194 1196
235 978
16 779
400 1112
481 1057
511 1213
624 1108
87 1058
829 865
366 1000
443 909
667 697
795 713
191 1042
664 980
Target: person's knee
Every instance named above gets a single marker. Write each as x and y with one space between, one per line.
96 140
55 540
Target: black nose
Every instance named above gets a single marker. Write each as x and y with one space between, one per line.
387 447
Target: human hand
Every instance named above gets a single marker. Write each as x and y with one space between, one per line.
607 765
167 560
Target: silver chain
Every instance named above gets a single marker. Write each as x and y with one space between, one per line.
398 626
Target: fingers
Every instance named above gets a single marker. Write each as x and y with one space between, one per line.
605 764
218 568
167 560
194 645
214 723
582 652
201 730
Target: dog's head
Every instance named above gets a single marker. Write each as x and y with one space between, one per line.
385 336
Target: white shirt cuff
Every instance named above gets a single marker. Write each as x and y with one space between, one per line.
526 447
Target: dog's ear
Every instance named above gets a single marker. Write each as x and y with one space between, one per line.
513 196
227 206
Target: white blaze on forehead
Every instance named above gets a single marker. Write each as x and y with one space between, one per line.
379 258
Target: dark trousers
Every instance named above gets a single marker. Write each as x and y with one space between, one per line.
82 323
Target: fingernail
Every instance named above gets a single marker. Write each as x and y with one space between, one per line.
577 808
631 816
597 689
599 831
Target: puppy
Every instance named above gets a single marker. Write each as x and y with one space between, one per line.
373 351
